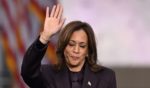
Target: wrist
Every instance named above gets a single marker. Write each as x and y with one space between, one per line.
43 38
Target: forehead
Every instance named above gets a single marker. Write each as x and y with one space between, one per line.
79 36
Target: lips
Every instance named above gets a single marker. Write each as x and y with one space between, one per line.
75 57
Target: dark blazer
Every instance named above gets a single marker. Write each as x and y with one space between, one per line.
36 75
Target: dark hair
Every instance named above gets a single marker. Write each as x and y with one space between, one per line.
64 38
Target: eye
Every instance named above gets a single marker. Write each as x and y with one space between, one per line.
83 46
71 44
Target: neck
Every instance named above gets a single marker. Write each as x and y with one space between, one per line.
76 68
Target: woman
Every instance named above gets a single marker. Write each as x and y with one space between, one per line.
77 57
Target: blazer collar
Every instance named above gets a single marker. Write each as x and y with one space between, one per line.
90 79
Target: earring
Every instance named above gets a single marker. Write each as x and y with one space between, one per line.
87 55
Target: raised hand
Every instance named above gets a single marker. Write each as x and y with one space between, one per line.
53 23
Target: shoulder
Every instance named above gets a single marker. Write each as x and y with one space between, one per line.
106 77
106 70
106 73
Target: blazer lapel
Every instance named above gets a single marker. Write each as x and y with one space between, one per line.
62 79
90 79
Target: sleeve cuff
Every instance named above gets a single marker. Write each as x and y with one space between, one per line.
40 45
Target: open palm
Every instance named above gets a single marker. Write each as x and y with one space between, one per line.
53 22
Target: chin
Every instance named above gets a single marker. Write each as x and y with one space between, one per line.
73 64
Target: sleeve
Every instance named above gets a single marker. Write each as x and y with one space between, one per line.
30 70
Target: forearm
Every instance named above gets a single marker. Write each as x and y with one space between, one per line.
32 62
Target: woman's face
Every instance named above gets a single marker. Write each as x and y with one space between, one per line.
77 49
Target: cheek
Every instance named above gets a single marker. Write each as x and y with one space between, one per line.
84 52
66 51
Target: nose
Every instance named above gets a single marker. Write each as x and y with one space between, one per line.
76 49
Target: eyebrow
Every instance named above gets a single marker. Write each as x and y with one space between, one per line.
79 42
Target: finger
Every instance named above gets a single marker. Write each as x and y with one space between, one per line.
47 11
62 22
60 13
57 10
53 11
